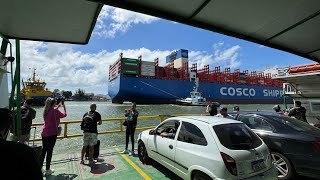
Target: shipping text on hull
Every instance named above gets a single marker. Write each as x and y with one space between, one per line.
148 83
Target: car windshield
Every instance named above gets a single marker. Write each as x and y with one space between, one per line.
237 136
295 124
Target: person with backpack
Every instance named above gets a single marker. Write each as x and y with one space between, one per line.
298 112
27 115
132 117
89 124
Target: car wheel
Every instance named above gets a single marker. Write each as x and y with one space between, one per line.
200 176
283 165
142 152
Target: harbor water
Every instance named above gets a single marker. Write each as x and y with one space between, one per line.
76 109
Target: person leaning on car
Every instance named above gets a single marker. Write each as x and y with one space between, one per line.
172 132
298 112
224 113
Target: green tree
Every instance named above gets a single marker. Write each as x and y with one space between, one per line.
55 91
67 94
80 94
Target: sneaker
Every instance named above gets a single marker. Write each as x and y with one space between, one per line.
49 172
125 151
131 153
91 162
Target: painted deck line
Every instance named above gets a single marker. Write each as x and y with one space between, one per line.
139 170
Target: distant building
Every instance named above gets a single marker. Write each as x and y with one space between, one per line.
275 71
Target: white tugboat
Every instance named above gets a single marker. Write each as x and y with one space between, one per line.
195 98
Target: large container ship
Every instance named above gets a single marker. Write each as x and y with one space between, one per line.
146 82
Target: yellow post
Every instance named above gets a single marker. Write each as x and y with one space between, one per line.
65 135
161 118
121 126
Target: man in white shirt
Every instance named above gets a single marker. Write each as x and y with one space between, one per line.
224 113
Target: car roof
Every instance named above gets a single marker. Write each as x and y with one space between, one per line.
261 113
205 119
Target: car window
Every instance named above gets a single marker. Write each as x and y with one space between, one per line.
266 126
237 136
190 133
166 126
295 124
251 121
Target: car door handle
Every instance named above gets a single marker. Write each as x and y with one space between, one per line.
170 146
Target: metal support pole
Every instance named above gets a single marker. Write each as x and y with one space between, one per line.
17 82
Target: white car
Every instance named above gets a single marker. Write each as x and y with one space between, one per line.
206 147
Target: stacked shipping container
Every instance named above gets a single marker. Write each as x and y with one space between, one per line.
139 68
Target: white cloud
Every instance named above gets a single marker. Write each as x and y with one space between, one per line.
64 68
227 57
114 20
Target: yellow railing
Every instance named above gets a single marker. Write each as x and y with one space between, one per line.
64 124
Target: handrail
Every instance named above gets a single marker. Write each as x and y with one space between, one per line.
120 120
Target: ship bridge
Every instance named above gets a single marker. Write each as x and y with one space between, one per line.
302 84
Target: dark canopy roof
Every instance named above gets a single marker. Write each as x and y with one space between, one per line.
70 21
288 25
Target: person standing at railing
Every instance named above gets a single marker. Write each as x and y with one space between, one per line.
18 161
89 124
51 115
131 128
212 109
27 115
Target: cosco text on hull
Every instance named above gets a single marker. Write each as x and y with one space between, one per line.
249 92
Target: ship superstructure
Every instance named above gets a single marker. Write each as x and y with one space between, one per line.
35 89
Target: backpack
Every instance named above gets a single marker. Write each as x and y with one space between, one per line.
87 123
298 113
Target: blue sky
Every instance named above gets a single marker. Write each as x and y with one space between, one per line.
69 67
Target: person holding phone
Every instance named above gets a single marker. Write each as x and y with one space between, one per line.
132 117
49 134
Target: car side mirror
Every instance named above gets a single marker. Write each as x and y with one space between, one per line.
152 132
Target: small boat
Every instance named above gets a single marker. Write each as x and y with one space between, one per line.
195 99
36 90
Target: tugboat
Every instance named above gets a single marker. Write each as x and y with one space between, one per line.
36 90
195 98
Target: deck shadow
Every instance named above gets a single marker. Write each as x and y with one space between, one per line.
169 174
62 177
100 168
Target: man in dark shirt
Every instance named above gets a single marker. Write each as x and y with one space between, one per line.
27 115
298 112
18 160
90 136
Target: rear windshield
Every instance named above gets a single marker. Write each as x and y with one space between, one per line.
237 136
295 124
